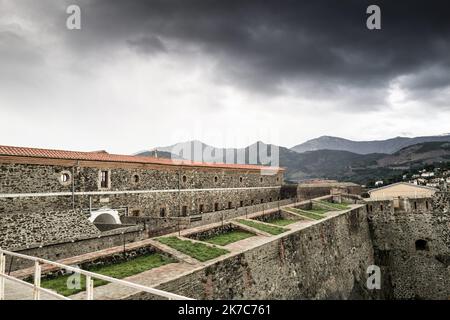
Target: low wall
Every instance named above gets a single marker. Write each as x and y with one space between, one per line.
106 260
62 250
206 234
327 260
217 216
30 228
348 198
160 226
310 191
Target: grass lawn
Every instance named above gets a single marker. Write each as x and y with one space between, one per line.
312 214
337 206
229 237
281 221
199 251
263 227
119 270
318 210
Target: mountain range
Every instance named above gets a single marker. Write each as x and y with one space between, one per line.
364 147
328 157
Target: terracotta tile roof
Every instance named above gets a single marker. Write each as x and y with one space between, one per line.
104 156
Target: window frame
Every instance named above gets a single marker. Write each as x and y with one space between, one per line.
104 184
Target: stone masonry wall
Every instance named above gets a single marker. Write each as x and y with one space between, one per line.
327 260
146 204
412 246
25 187
22 229
36 178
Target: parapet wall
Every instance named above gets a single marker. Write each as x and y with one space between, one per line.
315 190
22 229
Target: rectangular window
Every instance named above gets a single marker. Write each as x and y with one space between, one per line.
252 202
201 208
104 179
162 212
230 205
216 206
136 213
184 211
241 203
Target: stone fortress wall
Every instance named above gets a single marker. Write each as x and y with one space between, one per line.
145 191
411 239
44 205
330 259
327 260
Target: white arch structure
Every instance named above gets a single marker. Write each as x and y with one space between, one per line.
105 216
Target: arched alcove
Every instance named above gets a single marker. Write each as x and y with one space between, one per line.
105 217
422 245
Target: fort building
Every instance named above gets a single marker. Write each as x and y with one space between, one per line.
95 207
48 196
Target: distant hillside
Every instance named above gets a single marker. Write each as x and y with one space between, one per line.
159 154
388 146
325 164
201 152
344 165
422 153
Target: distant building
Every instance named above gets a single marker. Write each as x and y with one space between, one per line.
427 174
432 184
402 189
379 183
319 188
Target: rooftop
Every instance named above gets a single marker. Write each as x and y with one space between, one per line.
104 156
402 183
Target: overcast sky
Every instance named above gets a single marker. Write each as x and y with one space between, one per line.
141 74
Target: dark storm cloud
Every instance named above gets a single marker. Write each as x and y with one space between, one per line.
316 48
263 45
147 45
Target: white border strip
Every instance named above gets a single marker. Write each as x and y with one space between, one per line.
101 193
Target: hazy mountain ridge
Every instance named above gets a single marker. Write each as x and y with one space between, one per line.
325 164
387 146
158 154
201 152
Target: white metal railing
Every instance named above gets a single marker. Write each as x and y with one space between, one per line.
90 276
